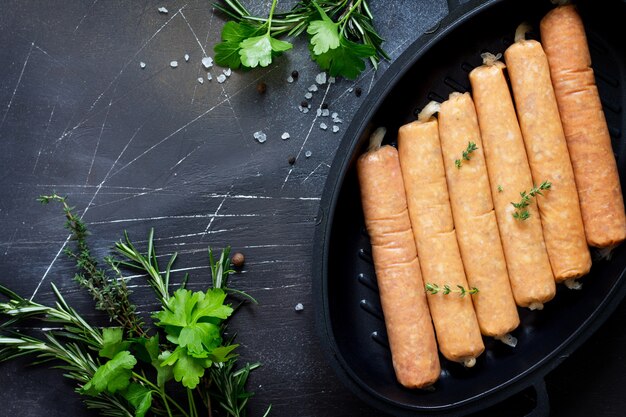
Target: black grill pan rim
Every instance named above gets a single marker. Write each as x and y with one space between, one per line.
532 377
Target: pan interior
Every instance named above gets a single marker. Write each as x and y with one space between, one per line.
354 312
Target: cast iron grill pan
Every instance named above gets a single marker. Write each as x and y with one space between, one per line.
350 318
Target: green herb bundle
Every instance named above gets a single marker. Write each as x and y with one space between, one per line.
130 369
342 35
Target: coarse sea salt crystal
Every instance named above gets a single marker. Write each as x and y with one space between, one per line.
325 113
290 79
335 115
201 80
350 90
335 129
305 109
320 78
299 307
221 78
308 154
285 136
313 88
209 76
323 126
186 57
260 136
162 10
174 64
142 65
227 72
207 61
308 96
331 80
319 112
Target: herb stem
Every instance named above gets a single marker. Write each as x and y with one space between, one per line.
344 20
269 20
162 394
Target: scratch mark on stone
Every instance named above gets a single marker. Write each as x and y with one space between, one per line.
261 197
316 168
81 20
193 33
185 157
306 138
95 151
144 153
184 216
10 243
45 274
19 81
219 207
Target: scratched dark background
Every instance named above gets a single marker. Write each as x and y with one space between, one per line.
137 148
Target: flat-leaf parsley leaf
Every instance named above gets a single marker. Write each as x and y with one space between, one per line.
113 375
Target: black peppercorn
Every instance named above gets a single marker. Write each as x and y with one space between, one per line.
294 74
238 260
304 103
292 160
324 106
358 91
261 87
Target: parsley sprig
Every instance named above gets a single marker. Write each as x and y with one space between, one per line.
521 208
433 288
122 371
466 155
341 33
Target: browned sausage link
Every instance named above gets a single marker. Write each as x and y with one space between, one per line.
549 159
407 318
474 217
458 334
527 261
587 134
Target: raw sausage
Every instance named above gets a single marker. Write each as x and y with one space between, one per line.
407 318
586 132
456 326
527 261
549 159
474 217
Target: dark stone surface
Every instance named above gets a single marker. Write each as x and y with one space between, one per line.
138 148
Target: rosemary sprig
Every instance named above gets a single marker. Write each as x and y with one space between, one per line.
466 155
433 288
521 210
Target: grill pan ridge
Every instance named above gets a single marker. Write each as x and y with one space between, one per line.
349 317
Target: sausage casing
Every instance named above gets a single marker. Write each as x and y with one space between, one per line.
549 159
527 260
584 124
474 217
456 326
407 318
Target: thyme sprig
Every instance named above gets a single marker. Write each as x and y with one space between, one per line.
433 288
109 292
521 208
466 154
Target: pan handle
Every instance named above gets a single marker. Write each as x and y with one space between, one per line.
542 407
